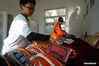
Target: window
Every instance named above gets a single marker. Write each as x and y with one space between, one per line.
51 17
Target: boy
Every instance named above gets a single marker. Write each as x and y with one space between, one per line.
20 27
57 32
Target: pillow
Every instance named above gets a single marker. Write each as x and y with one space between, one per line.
43 59
61 53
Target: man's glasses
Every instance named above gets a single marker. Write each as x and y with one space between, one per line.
30 8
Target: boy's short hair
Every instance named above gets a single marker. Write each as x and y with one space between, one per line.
60 19
23 2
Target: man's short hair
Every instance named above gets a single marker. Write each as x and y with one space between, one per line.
23 2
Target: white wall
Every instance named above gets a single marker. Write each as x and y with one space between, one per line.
11 6
75 24
93 22
0 5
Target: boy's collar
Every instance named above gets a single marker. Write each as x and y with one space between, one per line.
25 17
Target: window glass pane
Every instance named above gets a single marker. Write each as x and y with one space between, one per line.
51 20
64 19
48 20
55 12
49 28
63 26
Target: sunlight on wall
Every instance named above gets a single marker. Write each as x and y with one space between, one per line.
70 11
78 11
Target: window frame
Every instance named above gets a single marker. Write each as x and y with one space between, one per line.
54 16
